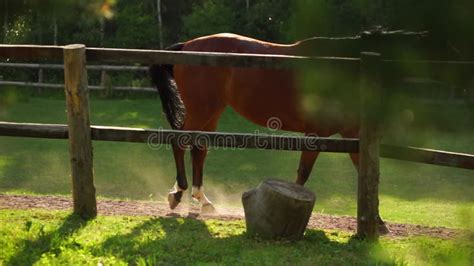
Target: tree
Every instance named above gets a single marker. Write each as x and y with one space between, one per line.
268 20
160 22
15 21
210 17
5 18
134 25
447 21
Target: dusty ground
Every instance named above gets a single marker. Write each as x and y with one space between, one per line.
161 209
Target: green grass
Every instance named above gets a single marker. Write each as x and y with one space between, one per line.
55 238
409 192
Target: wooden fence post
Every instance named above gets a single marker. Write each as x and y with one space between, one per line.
79 132
40 79
105 85
369 146
103 79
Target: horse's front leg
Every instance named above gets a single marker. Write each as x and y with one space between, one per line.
307 160
198 155
176 193
306 165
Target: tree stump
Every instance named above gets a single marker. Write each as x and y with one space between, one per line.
278 210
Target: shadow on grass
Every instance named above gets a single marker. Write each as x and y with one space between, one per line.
190 241
32 249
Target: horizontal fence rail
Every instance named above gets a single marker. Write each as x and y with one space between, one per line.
61 67
428 156
236 140
40 84
148 57
182 137
34 84
61 86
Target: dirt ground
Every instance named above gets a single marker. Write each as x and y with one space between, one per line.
161 209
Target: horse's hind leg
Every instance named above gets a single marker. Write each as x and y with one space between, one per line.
198 156
176 193
352 134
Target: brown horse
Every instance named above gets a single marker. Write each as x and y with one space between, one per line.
199 95
194 97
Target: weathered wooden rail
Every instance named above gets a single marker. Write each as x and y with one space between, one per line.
42 85
104 77
147 57
239 141
88 67
80 134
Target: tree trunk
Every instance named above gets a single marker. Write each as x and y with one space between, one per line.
55 29
39 29
278 210
5 22
102 31
160 22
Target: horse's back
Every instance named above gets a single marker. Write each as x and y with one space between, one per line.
260 95
234 43
257 94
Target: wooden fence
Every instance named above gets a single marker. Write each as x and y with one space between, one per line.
439 92
80 134
104 76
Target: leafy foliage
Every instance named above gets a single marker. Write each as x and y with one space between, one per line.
212 16
447 21
131 29
268 20
134 23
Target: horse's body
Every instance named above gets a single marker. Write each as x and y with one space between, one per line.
257 94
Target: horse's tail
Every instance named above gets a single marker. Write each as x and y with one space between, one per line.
163 78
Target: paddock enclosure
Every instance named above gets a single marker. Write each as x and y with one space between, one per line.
80 133
104 83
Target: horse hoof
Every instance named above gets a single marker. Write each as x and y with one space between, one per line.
208 208
172 201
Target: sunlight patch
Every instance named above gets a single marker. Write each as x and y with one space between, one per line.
248 167
4 163
219 229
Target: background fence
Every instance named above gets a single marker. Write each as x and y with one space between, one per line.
423 90
80 133
104 83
